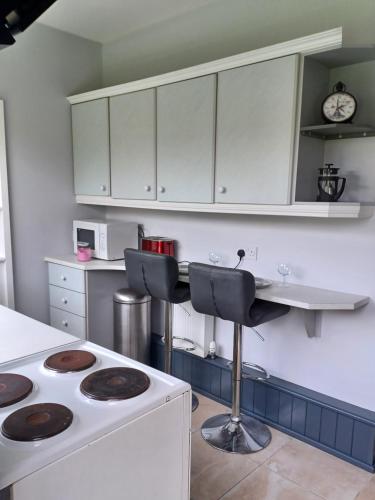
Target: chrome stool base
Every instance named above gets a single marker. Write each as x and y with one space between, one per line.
194 402
247 435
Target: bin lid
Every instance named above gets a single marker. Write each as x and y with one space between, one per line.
129 296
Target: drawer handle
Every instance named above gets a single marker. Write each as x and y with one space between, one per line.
63 278
161 189
148 188
64 300
64 322
222 189
103 187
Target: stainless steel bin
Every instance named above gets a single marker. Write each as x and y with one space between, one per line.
132 324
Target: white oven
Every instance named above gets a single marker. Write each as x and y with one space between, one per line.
106 238
137 448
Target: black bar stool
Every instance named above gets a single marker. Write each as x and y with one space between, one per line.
157 275
230 295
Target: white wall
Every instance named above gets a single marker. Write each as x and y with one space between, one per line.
223 28
37 73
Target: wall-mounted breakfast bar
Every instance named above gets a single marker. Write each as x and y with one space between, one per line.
312 301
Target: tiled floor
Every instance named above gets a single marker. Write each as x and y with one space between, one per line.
286 470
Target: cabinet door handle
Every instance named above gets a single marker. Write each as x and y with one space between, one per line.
64 300
222 189
148 188
161 189
64 323
63 278
103 187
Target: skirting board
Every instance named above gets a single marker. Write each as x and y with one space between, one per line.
339 428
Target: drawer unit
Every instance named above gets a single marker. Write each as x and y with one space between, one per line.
66 277
68 322
67 300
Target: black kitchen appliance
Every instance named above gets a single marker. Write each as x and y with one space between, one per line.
329 183
17 15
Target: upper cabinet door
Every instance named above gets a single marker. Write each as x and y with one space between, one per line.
255 132
133 145
185 140
91 147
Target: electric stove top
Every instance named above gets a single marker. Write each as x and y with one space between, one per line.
71 398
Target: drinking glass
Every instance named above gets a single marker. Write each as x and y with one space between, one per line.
285 271
214 258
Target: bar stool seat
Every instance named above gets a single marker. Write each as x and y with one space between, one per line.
263 311
229 294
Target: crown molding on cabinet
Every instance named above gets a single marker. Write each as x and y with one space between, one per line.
319 42
323 210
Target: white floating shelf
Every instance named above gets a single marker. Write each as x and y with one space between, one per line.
298 209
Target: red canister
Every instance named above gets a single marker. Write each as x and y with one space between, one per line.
158 244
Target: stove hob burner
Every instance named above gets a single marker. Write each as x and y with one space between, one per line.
115 384
70 361
35 422
13 388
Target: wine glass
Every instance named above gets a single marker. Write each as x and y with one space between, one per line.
285 271
214 258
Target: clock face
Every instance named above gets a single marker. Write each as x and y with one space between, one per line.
339 107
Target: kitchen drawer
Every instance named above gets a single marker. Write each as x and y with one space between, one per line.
68 322
66 277
67 300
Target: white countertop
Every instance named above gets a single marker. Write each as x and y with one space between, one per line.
300 296
307 297
21 336
91 265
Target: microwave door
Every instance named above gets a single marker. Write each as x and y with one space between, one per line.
88 235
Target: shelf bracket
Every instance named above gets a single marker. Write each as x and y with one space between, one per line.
313 323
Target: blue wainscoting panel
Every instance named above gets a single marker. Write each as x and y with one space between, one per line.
285 410
328 427
313 421
344 434
337 427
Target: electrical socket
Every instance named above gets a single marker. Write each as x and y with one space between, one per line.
251 253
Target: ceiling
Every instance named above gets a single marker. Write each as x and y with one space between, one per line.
105 21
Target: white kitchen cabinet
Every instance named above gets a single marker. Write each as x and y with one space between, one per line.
256 108
133 145
68 322
90 128
185 140
258 122
67 299
66 277
80 297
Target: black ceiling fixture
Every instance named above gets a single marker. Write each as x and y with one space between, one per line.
17 15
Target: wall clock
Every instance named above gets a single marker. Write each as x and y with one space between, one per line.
339 106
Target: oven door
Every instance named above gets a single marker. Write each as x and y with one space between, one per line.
87 232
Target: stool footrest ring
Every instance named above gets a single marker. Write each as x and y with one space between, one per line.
184 339
265 375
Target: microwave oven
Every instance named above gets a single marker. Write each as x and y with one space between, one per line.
106 238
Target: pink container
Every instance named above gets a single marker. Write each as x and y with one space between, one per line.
83 252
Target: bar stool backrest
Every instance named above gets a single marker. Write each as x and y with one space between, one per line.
156 275
222 292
